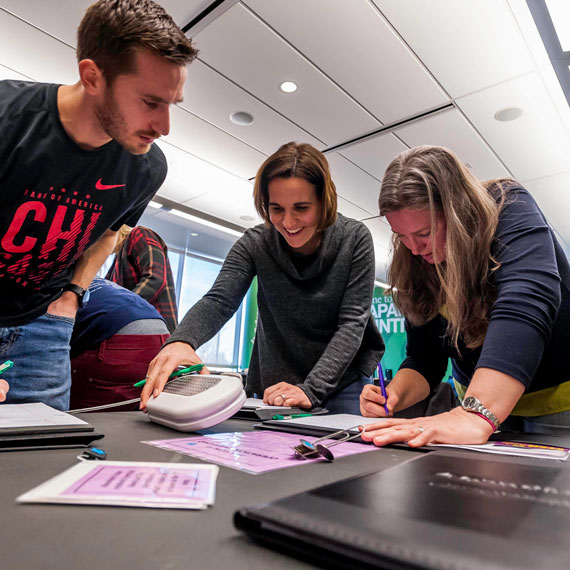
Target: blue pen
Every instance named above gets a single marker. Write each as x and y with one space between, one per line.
383 387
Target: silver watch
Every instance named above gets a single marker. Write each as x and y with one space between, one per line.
472 404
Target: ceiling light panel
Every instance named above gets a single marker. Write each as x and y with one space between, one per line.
467 45
262 62
451 130
356 33
269 131
527 148
35 54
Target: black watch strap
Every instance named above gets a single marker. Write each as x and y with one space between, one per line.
79 291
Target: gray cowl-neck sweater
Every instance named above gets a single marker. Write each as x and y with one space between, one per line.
314 327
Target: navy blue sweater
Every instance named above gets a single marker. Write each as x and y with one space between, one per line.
528 336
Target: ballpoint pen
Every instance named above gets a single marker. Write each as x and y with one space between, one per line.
194 368
383 388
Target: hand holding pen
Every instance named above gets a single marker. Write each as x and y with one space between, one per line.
374 398
383 388
164 364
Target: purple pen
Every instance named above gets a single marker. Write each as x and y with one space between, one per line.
383 387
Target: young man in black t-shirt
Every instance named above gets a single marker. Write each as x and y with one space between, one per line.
76 163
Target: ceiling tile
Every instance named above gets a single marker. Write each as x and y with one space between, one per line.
258 60
374 154
533 146
7 73
467 45
213 145
214 98
229 202
389 87
34 54
59 18
553 197
353 184
450 129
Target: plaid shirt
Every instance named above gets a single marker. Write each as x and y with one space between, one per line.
142 266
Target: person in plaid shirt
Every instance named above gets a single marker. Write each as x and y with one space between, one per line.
142 266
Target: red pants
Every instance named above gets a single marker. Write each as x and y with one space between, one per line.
107 374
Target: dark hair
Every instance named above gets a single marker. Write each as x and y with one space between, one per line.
297 160
112 30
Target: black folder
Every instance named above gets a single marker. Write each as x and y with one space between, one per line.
442 510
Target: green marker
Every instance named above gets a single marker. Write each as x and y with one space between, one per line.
193 368
6 365
291 417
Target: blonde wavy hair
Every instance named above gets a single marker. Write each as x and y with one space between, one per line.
433 178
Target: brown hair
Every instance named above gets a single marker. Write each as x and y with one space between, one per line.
297 160
112 30
433 178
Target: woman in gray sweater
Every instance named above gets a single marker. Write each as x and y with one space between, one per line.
316 343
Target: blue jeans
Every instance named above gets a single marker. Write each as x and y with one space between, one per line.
40 352
347 400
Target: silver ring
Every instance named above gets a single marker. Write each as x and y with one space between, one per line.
421 429
283 396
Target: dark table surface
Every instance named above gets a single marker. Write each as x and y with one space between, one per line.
90 537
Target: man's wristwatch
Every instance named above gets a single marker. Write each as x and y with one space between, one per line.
82 294
472 404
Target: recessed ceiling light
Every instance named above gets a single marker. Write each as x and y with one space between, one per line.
288 87
154 204
193 234
247 218
242 118
508 114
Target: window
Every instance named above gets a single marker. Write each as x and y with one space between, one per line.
194 276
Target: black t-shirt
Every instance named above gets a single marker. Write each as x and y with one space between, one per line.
57 199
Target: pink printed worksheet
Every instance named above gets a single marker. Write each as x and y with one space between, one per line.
252 451
165 485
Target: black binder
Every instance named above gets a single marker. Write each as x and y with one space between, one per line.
444 509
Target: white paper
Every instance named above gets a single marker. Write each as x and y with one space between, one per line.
332 422
31 415
520 449
130 483
257 403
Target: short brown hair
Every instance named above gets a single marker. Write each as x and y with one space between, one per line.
112 30
297 160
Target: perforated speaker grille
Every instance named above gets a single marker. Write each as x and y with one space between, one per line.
190 384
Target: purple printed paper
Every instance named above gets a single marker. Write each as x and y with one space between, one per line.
145 483
253 451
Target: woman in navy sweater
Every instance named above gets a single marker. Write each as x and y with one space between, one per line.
481 279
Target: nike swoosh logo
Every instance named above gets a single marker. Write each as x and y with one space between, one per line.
100 186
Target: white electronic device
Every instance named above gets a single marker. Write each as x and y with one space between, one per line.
197 401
